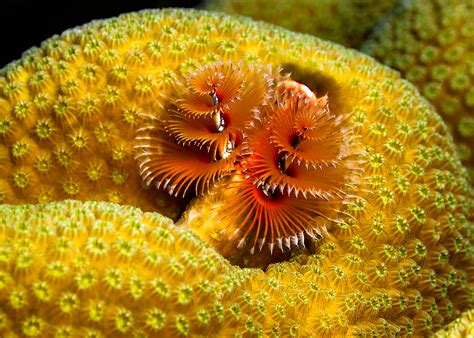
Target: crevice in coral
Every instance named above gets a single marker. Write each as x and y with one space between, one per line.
318 82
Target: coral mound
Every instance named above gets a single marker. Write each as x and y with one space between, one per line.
395 259
432 44
344 21
97 269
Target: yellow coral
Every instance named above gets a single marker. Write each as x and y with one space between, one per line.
97 269
431 43
399 260
344 21
461 327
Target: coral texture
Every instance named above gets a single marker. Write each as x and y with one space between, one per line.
432 44
397 260
344 21
97 269
461 327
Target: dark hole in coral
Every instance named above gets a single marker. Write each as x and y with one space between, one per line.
174 207
182 202
319 83
262 259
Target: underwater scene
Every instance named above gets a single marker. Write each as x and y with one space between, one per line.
231 168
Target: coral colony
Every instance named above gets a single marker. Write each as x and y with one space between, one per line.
430 43
211 175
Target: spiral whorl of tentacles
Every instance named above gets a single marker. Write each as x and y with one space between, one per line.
284 161
197 142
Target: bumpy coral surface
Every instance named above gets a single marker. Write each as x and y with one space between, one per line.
432 44
94 269
343 21
97 269
397 259
461 327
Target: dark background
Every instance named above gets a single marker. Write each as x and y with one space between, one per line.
26 23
